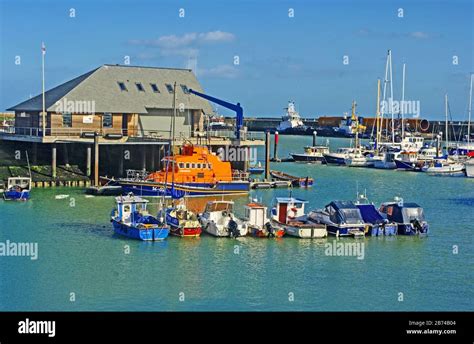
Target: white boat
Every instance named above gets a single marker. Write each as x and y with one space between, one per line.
339 156
219 220
358 160
258 223
387 162
291 122
407 160
289 214
311 154
427 153
470 168
443 166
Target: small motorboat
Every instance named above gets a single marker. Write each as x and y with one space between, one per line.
182 222
443 166
342 218
131 219
288 213
409 217
311 154
358 160
295 181
387 162
469 165
407 161
257 169
338 157
258 223
375 223
17 189
218 219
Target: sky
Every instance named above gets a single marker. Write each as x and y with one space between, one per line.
259 53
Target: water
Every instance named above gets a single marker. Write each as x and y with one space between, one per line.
78 253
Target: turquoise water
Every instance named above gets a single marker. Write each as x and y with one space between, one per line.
78 253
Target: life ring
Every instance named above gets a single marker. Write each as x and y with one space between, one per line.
424 125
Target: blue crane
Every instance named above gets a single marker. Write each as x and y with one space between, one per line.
239 120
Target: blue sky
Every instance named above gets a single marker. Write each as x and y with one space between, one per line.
280 58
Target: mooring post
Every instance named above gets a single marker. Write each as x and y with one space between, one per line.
267 156
275 148
34 155
96 159
53 161
89 161
315 134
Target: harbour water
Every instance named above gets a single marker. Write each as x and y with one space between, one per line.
82 265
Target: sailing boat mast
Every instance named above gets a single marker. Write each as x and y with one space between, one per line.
354 117
377 118
446 136
391 98
173 124
469 113
403 103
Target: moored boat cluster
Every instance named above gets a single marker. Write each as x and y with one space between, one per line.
286 217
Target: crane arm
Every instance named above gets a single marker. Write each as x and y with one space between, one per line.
234 107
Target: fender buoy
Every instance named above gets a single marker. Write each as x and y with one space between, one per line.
424 125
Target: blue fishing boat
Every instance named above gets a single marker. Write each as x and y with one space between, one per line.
132 220
17 189
256 169
342 218
375 223
409 217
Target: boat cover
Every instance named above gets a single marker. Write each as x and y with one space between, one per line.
370 214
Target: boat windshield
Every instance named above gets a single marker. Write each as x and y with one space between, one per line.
410 214
351 216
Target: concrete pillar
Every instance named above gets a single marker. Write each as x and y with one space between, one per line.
267 156
153 158
34 154
65 154
53 161
89 161
120 162
96 159
143 158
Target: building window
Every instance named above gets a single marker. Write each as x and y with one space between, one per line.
155 88
107 121
140 87
67 120
169 88
122 86
185 89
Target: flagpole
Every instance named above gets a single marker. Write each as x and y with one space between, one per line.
43 52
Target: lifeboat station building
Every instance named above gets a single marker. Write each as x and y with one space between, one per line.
124 109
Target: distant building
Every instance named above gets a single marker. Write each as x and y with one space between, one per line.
116 101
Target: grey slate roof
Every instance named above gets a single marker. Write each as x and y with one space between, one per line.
101 85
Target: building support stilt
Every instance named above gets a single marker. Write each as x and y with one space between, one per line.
96 159
53 161
89 161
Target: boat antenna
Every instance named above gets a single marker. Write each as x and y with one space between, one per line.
403 102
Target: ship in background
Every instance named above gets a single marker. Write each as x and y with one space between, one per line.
292 124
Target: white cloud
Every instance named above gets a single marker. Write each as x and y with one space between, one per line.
186 40
419 35
221 71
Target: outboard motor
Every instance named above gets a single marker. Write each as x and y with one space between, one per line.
270 230
233 229
417 226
